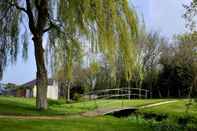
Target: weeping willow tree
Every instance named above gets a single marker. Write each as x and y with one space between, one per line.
110 26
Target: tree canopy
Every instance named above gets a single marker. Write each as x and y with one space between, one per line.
110 26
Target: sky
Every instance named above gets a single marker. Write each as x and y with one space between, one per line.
164 16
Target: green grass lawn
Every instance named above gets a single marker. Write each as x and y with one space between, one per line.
24 106
177 109
74 122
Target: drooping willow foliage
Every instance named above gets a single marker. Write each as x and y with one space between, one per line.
109 26
14 32
8 34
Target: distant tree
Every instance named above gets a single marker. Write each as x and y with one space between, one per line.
10 86
178 76
188 55
150 53
190 15
110 25
94 70
149 45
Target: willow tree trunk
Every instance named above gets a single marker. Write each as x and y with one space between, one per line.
41 76
37 26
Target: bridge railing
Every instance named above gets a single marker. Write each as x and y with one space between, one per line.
119 93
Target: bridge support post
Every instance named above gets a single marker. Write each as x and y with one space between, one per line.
140 93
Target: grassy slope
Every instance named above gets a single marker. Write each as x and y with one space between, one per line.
22 106
173 109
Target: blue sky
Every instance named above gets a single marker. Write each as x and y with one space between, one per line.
159 15
164 16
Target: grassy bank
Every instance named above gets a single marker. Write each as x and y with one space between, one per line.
177 109
24 106
175 116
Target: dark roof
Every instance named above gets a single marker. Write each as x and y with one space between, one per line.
30 83
33 82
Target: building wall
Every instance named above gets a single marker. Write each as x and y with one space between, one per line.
52 91
21 93
29 93
34 91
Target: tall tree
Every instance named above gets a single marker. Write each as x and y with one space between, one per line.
190 17
109 25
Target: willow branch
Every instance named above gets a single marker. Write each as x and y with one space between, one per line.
18 7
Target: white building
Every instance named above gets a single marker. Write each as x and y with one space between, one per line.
30 89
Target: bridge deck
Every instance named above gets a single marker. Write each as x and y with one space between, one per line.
124 111
108 111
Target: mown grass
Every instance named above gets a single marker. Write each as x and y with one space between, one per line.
177 109
172 116
24 106
74 124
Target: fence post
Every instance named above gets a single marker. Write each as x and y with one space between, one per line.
129 93
140 93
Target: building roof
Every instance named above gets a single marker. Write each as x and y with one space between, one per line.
33 82
30 83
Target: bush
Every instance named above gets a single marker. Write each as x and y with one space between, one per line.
55 102
167 123
77 97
